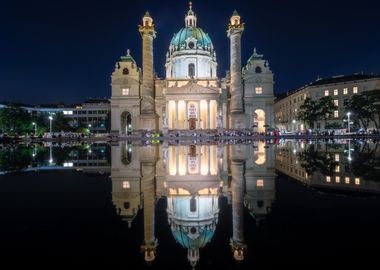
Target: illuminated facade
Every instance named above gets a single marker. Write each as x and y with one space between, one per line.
340 88
191 97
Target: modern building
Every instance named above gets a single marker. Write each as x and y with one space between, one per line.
92 114
340 88
192 96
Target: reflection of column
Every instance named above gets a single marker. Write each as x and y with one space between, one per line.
150 242
177 159
176 113
237 187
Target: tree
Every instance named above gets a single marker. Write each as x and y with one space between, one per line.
360 106
61 123
325 108
15 120
308 112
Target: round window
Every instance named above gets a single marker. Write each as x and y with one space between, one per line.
191 45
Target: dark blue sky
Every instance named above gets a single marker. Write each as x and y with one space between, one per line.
54 51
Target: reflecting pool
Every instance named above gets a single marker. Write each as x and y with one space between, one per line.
252 205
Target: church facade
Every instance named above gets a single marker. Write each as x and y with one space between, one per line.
191 97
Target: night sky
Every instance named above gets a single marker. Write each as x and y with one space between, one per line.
52 51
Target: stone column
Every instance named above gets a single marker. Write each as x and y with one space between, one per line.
150 242
237 188
186 115
199 114
208 114
235 31
176 114
148 115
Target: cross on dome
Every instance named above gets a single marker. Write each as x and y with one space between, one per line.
191 18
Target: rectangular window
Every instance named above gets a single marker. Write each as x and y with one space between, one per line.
126 185
336 102
347 180
336 92
336 114
337 168
337 157
327 93
345 91
337 179
345 102
259 90
357 181
355 90
125 91
328 179
259 183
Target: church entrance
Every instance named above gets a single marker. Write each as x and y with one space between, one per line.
192 123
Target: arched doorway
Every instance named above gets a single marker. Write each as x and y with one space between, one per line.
259 120
126 123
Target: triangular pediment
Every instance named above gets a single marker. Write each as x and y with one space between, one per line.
192 88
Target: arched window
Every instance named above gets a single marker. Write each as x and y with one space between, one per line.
191 70
258 69
193 205
125 71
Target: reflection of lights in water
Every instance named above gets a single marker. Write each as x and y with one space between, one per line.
89 151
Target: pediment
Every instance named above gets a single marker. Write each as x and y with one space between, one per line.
192 88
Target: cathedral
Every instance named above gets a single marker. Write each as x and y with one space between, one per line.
191 97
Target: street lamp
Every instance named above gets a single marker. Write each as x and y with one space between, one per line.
35 128
51 124
348 121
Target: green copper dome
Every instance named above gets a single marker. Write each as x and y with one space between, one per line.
179 39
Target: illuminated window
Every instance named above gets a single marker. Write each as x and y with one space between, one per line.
336 92
327 93
336 114
336 102
345 91
125 91
328 179
347 180
68 112
355 90
337 157
337 179
357 181
259 90
337 168
126 185
259 183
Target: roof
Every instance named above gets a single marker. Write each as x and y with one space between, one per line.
331 80
343 78
197 33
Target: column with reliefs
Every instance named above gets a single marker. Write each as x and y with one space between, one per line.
235 31
148 114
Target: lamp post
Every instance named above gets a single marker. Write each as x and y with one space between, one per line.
348 121
35 128
51 123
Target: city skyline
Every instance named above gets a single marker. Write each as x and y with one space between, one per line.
66 52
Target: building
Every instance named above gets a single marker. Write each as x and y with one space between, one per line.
191 97
341 88
92 114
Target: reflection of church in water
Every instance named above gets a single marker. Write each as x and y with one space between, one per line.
191 97
192 179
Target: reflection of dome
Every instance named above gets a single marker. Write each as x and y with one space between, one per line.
193 237
180 39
